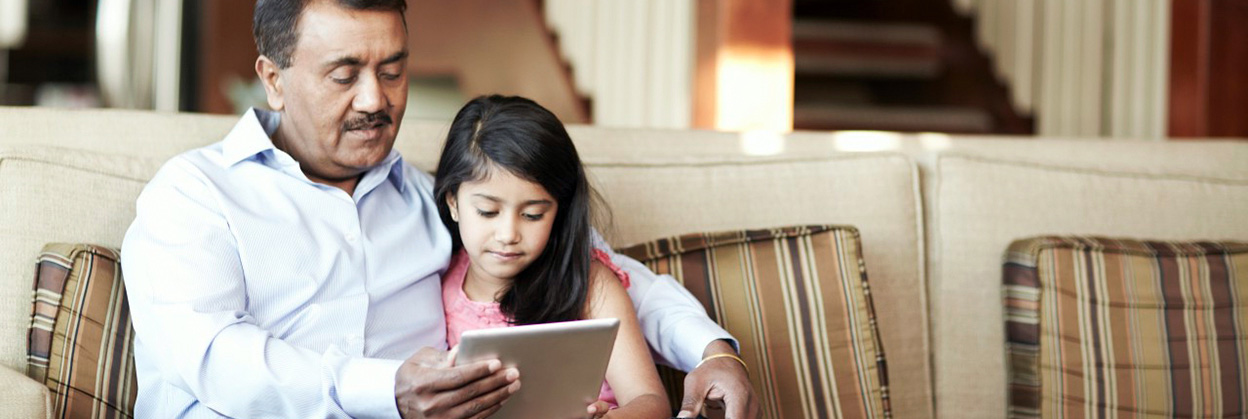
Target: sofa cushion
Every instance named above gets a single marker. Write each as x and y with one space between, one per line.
1098 327
875 192
797 300
81 339
983 203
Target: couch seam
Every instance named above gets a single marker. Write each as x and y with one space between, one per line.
738 161
4 159
1092 171
929 376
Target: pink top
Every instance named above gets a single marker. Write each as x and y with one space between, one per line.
463 314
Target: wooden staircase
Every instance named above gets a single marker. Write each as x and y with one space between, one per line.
897 65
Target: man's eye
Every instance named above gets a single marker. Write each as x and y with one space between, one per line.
343 80
534 217
487 214
389 76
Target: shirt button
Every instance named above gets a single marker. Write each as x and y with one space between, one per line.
352 237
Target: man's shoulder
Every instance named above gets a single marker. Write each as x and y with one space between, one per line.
415 176
195 162
193 172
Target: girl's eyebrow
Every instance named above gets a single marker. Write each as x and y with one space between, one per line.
488 197
493 198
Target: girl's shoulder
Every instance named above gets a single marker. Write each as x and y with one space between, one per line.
608 296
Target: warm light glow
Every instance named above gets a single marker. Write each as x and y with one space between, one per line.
762 143
862 141
755 89
934 141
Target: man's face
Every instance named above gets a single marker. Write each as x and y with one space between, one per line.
345 92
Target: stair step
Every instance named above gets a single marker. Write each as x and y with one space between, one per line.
832 90
866 31
866 49
891 118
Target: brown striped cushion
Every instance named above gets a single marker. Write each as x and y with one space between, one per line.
797 300
1123 328
81 336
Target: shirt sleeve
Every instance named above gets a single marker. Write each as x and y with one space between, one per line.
188 299
674 322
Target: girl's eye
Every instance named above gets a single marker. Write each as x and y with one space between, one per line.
487 214
534 217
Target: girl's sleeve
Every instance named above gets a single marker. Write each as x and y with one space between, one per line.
605 259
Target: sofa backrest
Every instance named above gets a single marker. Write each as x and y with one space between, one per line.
72 176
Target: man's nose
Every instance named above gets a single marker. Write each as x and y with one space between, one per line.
369 96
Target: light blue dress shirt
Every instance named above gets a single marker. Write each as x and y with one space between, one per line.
256 292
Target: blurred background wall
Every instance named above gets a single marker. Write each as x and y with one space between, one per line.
1143 69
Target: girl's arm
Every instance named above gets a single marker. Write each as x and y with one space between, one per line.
631 372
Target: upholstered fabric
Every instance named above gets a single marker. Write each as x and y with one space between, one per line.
22 397
81 338
982 204
56 195
797 300
1100 327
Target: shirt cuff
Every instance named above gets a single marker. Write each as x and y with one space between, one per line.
366 388
695 337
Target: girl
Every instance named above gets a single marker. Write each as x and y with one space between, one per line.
511 189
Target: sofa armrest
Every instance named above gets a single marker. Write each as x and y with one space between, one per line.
22 397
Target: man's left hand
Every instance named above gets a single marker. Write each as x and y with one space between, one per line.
719 382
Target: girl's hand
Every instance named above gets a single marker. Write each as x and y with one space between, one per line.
598 409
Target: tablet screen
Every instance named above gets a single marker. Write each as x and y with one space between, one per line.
561 365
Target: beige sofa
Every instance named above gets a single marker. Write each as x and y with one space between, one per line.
935 213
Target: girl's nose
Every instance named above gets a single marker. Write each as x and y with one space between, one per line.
507 233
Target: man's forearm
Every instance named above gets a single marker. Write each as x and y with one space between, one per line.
719 346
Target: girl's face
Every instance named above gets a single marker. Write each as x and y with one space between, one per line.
504 223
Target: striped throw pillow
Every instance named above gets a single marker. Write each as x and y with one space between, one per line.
797 300
81 339
1100 327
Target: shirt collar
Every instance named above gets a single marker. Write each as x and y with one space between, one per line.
252 135
394 166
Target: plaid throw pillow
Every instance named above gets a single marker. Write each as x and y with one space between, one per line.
797 300
81 339
1103 327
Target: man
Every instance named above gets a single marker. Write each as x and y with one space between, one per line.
293 269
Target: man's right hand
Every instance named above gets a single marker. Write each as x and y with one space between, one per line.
427 386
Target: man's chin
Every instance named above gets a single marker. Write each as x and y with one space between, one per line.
374 155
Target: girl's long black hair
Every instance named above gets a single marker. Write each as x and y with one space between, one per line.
526 140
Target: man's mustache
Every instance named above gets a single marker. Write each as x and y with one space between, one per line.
372 120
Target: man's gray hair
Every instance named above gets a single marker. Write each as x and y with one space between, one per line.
275 23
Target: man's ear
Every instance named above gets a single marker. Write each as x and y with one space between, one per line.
453 205
271 77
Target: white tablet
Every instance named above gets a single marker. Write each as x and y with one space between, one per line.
561 365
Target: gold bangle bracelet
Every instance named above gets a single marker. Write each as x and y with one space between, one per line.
724 355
